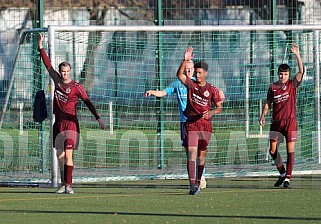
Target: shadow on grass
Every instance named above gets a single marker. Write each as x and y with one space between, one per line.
165 215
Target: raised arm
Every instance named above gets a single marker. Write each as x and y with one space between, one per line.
295 50
187 57
43 54
52 73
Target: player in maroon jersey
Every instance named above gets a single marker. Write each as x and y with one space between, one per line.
282 95
200 98
66 127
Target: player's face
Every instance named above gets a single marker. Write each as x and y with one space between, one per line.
200 75
189 70
284 76
65 73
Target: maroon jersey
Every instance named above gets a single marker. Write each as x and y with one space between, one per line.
283 98
66 95
199 100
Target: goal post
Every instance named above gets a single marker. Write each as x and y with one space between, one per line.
118 64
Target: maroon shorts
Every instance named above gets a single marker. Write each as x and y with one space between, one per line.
284 128
66 135
198 135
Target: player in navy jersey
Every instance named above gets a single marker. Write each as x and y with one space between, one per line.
201 97
181 92
282 97
66 127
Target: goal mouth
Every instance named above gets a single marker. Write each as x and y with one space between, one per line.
118 64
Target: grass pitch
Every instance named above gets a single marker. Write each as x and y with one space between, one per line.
225 200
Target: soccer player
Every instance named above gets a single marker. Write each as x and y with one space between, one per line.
181 92
200 97
66 127
282 96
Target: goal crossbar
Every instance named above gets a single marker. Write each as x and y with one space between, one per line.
53 28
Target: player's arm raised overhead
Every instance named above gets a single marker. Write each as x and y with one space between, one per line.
187 57
295 50
44 56
53 74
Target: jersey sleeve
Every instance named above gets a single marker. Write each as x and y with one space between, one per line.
171 88
45 58
52 73
92 108
218 95
295 82
189 83
269 95
83 95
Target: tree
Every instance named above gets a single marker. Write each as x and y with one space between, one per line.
171 10
97 10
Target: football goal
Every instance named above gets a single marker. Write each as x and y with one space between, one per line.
118 64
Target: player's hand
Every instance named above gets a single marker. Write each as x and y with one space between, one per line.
101 123
295 49
148 93
41 38
188 54
207 115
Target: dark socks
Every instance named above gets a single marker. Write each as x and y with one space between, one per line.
68 175
191 167
200 169
289 165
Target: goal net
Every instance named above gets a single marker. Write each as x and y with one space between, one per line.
117 65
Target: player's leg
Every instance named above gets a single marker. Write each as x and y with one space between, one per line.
201 168
61 162
206 133
203 180
68 170
192 169
291 138
184 144
58 143
71 144
290 163
274 152
192 137
184 141
275 139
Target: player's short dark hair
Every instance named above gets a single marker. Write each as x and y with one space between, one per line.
284 68
64 64
201 64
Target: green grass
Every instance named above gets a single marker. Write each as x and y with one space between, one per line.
225 200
